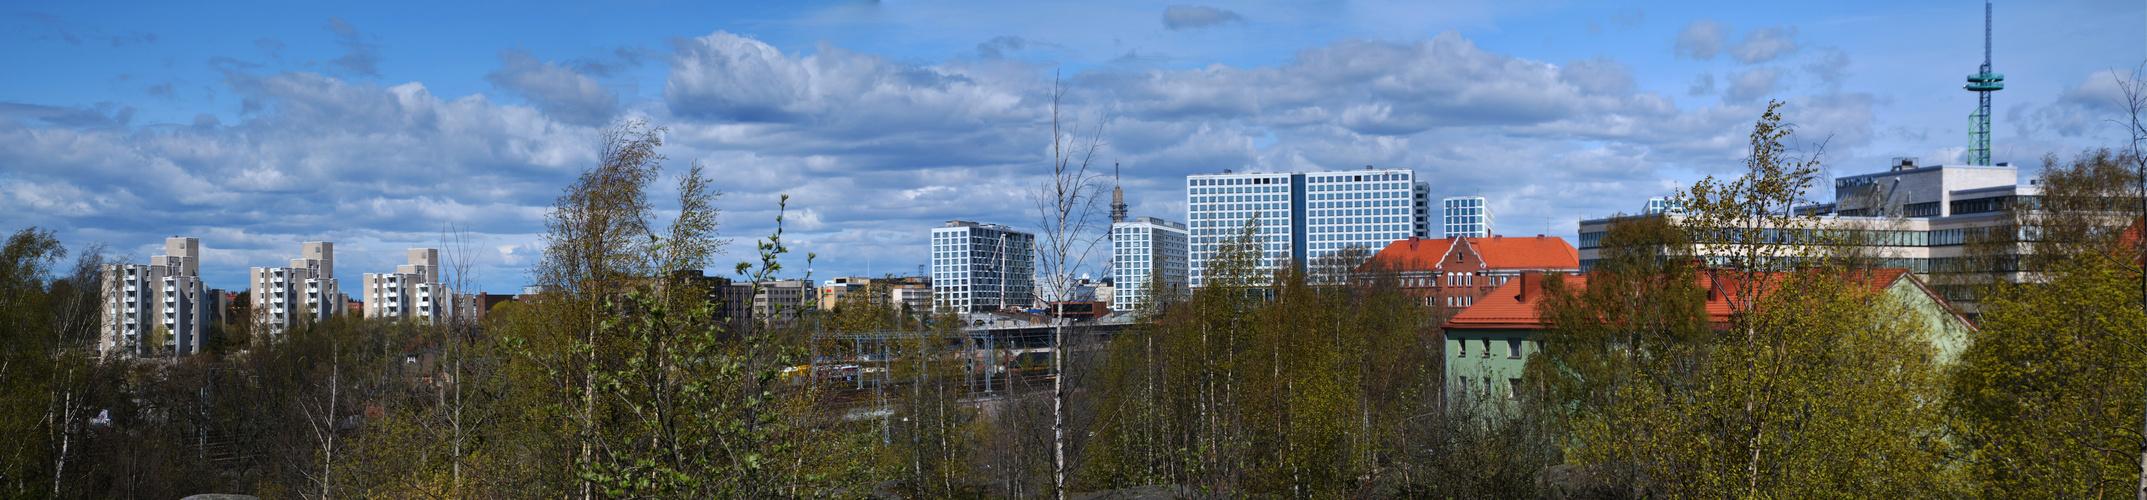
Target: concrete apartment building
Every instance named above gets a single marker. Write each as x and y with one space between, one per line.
1455 273
414 290
1910 216
782 300
982 267
1467 216
306 291
1302 216
1145 251
162 307
914 292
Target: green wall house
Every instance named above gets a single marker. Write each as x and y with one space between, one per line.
1487 344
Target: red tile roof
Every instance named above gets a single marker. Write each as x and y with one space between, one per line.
1497 252
1506 309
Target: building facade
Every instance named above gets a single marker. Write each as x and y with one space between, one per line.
159 308
781 300
1145 252
982 267
1455 273
414 290
306 291
1918 218
1467 216
1301 217
914 292
1488 346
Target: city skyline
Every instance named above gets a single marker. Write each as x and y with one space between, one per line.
258 130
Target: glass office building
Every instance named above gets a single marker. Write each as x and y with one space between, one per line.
1299 217
1467 216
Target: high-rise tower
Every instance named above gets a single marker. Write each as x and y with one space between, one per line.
1982 83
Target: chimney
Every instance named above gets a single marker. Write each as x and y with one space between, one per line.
1412 243
1531 286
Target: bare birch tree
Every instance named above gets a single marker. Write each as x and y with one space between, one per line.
1066 205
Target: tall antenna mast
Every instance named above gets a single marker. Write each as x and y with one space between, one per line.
1118 197
1982 83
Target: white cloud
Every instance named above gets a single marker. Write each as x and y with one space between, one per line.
1702 39
562 93
873 150
1179 17
1764 44
1752 84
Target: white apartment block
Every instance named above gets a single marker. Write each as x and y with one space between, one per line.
165 298
305 291
982 267
1467 216
1302 216
1144 251
414 290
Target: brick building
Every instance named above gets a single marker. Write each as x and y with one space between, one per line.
1457 272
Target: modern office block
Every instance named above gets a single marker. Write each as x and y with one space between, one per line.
982 267
1912 217
1145 252
1300 217
159 308
1467 216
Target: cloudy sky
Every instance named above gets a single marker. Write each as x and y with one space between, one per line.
377 124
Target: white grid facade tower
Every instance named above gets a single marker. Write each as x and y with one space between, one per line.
982 267
1143 251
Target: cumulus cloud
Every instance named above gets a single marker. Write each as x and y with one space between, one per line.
860 141
1702 39
2082 110
1764 44
1831 66
1702 85
362 58
1180 17
1752 84
562 93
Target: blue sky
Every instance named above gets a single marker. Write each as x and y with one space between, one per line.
256 126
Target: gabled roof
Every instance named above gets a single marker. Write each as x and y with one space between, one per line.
1497 252
1508 309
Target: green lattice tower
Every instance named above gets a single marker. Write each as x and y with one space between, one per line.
1982 83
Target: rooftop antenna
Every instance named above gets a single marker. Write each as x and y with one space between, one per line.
1982 83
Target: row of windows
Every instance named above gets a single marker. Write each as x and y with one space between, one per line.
1235 181
1512 348
1864 237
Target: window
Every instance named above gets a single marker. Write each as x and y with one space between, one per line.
1464 343
1513 349
1487 348
1513 388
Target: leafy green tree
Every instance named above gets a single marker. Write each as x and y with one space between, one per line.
1811 383
2048 393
